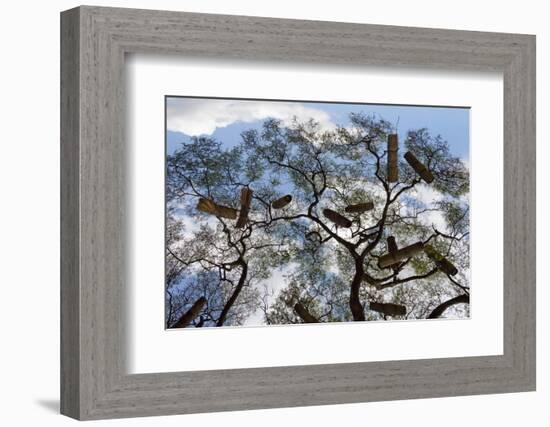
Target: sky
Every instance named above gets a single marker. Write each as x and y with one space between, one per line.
225 119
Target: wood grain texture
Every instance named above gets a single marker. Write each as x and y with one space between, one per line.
94 270
70 292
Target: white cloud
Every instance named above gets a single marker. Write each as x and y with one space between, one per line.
203 116
271 288
429 196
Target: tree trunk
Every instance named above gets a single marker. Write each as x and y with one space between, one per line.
440 309
304 314
234 295
190 314
354 302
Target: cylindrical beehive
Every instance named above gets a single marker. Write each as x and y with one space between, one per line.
389 259
392 245
208 206
388 309
440 261
359 207
336 218
393 145
282 202
419 167
246 199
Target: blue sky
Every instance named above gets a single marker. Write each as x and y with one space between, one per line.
225 119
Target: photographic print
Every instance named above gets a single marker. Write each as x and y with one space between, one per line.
286 212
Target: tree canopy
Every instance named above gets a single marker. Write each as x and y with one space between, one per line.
327 235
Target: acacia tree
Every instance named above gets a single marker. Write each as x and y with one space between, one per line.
346 215
216 262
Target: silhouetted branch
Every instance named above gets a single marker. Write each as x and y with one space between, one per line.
304 314
440 309
190 314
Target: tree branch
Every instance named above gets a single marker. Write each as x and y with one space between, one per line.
304 314
440 309
190 314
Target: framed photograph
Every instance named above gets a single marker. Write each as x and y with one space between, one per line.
277 213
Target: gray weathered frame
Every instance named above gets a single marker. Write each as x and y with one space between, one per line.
94 42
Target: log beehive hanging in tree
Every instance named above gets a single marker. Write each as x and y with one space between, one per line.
392 249
390 259
393 174
246 199
392 246
282 202
388 309
419 167
359 207
440 261
190 314
304 314
336 218
212 208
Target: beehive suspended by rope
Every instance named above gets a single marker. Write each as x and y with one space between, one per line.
392 249
440 261
399 255
393 174
282 202
212 208
419 167
336 218
246 199
388 309
359 207
392 245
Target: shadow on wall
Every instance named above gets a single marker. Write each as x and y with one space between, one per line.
51 405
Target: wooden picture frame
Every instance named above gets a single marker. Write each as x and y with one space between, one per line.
94 41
